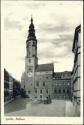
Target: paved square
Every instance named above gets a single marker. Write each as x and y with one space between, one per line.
26 107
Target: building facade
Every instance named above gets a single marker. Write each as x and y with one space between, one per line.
44 80
39 80
62 85
76 78
11 87
8 86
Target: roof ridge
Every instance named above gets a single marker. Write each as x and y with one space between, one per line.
45 64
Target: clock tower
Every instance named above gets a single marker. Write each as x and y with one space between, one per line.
31 60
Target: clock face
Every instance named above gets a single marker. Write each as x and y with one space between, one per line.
29 74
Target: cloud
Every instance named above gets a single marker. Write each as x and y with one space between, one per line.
54 31
58 39
59 46
65 37
53 28
11 24
34 5
63 40
55 52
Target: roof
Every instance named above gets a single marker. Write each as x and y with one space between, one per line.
64 72
62 75
45 67
77 30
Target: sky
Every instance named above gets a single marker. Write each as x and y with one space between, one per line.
54 22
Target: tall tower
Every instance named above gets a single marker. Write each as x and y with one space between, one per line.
31 60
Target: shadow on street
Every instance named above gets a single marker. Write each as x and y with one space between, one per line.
16 105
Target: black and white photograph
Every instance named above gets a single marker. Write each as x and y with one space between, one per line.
42 52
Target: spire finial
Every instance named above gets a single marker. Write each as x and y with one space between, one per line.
31 19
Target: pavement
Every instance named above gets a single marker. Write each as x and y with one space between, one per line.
16 105
27 107
72 110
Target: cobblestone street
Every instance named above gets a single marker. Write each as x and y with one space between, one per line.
26 107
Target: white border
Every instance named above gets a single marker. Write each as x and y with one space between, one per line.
40 120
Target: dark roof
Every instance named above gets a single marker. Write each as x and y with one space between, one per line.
45 67
60 73
77 30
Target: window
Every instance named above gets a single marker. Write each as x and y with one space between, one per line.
33 44
30 68
29 60
59 91
35 91
67 91
40 96
24 86
29 92
33 55
46 91
63 90
40 91
37 83
43 83
55 91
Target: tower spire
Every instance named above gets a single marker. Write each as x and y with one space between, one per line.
31 35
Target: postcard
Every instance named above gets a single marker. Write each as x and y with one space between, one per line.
41 62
